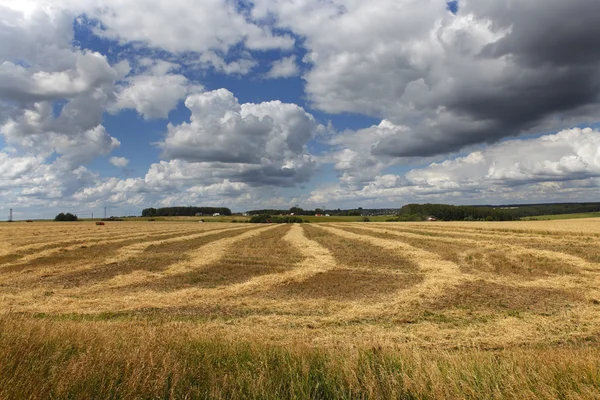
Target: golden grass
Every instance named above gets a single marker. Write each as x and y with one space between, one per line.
379 310
242 261
127 360
490 256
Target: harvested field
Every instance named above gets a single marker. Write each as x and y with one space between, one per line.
221 310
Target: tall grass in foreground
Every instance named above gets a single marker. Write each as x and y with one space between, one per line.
66 359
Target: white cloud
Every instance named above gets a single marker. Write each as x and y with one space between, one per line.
483 74
240 66
182 25
352 155
153 91
119 162
12 168
560 167
260 143
567 155
284 68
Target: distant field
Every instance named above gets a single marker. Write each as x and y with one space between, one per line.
334 310
563 216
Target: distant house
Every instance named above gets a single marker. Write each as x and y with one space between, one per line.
291 213
216 214
327 215
431 218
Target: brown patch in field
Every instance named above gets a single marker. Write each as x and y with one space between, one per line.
347 284
485 258
83 254
526 265
447 251
585 248
583 245
265 253
359 253
482 295
38 248
155 258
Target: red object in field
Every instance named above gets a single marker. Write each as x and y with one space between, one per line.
99 223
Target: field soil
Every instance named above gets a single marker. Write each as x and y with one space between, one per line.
329 310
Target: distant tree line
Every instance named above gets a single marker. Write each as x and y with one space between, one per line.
533 210
409 212
267 218
184 211
300 211
445 212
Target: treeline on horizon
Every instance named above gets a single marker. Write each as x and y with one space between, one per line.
445 212
301 211
184 211
409 212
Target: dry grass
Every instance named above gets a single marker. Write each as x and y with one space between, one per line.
493 297
496 257
125 360
359 253
348 284
242 261
379 310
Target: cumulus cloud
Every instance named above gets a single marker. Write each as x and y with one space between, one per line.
54 95
154 90
12 168
572 154
561 166
200 25
259 143
284 68
52 98
352 154
119 162
495 69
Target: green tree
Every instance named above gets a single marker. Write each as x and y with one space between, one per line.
66 217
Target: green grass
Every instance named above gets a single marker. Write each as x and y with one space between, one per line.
562 216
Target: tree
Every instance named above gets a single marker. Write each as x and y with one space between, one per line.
296 210
66 217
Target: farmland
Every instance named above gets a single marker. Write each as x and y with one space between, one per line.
380 310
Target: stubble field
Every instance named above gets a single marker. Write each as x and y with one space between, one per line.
344 310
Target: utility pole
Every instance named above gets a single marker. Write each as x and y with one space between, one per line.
104 212
92 215
10 218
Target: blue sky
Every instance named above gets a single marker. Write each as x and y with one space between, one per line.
274 103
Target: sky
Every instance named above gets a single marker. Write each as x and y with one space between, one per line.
277 103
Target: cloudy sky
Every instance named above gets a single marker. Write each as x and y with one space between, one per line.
273 103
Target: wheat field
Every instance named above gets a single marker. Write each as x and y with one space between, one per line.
336 310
